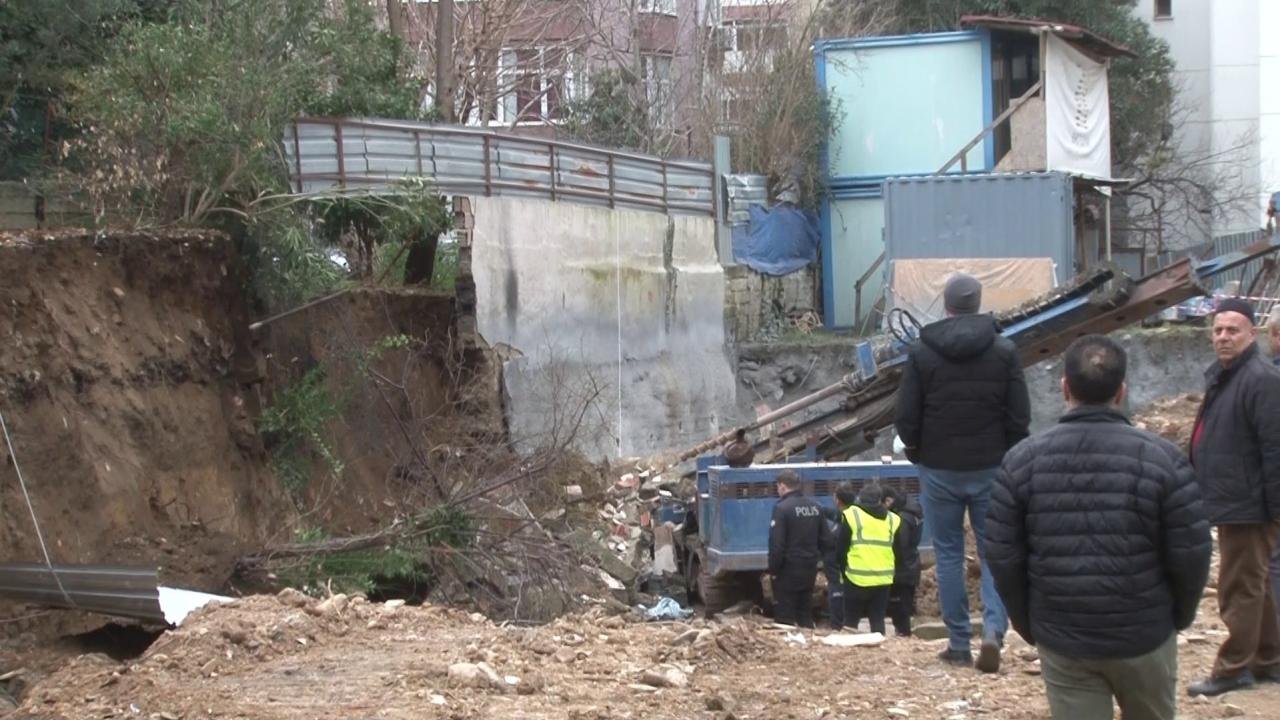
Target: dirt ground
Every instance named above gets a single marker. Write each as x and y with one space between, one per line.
290 657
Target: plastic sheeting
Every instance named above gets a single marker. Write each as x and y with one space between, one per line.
916 285
777 241
667 609
1077 112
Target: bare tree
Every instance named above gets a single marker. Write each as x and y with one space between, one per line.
767 99
1180 193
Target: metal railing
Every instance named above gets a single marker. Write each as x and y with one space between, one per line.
327 155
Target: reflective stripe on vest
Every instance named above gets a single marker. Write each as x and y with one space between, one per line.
869 562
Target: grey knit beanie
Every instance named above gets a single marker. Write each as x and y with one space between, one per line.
962 295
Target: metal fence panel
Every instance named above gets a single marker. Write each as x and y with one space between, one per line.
328 155
1220 246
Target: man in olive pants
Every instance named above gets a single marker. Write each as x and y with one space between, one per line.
1099 547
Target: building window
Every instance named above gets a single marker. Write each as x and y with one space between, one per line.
1164 8
751 44
661 7
535 84
657 88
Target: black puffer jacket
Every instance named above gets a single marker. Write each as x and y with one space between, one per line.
906 542
1096 537
1237 458
798 535
962 402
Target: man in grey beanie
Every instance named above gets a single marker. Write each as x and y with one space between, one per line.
962 404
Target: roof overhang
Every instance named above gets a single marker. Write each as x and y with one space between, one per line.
1082 37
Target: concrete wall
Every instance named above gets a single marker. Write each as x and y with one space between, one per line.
625 308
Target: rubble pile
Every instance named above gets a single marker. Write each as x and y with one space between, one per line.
1172 418
291 657
633 543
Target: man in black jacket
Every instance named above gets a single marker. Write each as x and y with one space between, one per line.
962 404
1099 546
798 539
1235 447
906 556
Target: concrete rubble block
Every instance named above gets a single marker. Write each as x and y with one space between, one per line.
665 676
664 551
687 637
293 598
491 676
331 607
584 544
573 492
466 675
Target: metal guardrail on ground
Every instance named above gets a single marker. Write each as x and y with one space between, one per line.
357 154
121 591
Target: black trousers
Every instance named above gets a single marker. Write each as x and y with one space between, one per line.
793 596
835 600
902 605
868 602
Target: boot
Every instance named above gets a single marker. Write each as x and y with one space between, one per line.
1210 687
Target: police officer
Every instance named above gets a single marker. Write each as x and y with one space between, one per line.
798 539
867 533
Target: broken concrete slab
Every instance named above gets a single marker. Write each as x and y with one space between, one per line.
582 541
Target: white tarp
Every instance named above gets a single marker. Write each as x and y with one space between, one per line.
177 604
915 285
1077 112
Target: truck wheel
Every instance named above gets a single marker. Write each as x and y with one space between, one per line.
716 593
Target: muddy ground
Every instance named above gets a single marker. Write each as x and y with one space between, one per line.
288 657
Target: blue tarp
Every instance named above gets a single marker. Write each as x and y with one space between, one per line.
777 241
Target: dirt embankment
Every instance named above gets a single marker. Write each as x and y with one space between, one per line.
125 379
401 385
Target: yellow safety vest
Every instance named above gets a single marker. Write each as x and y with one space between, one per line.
869 562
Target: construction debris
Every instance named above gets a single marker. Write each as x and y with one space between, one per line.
292 657
1171 418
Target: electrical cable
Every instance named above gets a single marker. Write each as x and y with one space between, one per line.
26 496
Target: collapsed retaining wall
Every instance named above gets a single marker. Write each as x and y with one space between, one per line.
125 378
623 308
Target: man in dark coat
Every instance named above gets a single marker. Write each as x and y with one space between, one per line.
1098 543
1235 447
798 540
906 555
962 404
845 496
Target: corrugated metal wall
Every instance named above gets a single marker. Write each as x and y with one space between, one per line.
1230 243
354 154
1220 246
982 216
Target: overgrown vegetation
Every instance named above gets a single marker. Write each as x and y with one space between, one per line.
172 111
294 427
610 115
